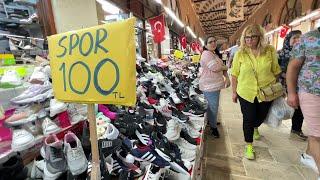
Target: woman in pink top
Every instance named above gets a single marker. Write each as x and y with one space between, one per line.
213 78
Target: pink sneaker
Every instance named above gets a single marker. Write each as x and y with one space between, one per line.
107 112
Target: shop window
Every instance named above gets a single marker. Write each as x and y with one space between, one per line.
291 10
315 4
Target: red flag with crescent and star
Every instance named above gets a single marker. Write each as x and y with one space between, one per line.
183 41
158 28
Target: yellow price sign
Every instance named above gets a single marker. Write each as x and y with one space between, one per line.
95 65
195 58
178 54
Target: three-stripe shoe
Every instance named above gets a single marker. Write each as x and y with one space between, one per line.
145 153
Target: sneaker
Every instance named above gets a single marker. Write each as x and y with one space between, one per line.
299 134
174 175
74 115
23 115
76 159
186 154
309 161
173 130
35 93
190 130
160 123
126 175
38 76
107 112
10 79
22 140
192 112
55 159
13 169
107 147
179 115
102 120
153 173
147 154
111 132
185 136
49 127
256 134
249 152
143 132
175 98
37 169
215 132
57 107
185 144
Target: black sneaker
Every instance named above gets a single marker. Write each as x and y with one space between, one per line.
143 132
160 122
107 147
169 152
189 111
188 138
215 132
13 169
179 115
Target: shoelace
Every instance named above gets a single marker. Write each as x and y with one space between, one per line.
56 153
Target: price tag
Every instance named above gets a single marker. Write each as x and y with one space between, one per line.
95 65
178 54
195 58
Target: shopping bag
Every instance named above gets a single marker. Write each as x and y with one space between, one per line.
278 111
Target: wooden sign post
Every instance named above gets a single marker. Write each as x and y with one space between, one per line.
95 65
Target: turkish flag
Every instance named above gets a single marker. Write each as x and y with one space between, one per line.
158 28
194 46
198 46
284 31
183 41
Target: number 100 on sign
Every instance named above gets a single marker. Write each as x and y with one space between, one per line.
95 65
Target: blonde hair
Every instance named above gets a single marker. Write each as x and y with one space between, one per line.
254 29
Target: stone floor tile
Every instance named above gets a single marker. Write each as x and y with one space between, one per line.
218 146
228 165
272 171
285 155
262 153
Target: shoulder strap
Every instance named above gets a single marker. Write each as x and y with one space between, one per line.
253 69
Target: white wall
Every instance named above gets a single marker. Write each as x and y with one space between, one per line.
74 14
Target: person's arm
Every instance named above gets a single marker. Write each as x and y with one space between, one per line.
293 70
235 71
227 79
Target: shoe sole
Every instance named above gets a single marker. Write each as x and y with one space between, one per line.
23 147
190 114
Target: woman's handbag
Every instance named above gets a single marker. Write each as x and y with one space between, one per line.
270 92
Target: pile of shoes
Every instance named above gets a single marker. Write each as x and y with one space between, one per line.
159 137
35 113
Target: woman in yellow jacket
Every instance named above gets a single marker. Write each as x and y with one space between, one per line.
254 55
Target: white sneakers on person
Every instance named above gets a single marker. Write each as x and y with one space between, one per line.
22 140
49 127
76 159
57 107
308 161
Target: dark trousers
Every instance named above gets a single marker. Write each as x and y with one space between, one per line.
297 120
253 116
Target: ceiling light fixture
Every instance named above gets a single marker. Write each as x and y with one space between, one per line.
191 32
173 16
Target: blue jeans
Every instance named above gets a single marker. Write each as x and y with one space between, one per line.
213 104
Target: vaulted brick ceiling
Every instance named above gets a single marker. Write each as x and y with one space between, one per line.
212 16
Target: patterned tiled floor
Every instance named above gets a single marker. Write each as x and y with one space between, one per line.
277 151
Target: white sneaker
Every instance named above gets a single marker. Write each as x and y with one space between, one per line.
308 161
152 173
173 130
11 78
22 140
175 98
191 131
75 117
164 108
38 76
37 169
172 175
57 107
47 175
111 132
187 154
185 144
76 159
49 127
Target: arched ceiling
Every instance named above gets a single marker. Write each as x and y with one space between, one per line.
212 16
